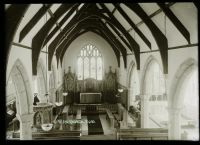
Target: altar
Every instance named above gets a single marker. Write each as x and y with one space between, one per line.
87 98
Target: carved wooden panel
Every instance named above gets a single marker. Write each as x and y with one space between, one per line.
89 85
110 87
69 86
37 119
69 81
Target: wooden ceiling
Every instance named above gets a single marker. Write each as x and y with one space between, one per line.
94 17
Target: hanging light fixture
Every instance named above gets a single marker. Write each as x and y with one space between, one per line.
120 90
65 94
47 93
165 83
47 126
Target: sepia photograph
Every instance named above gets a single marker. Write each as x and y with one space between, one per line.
102 71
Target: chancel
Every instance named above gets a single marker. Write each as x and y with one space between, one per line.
102 71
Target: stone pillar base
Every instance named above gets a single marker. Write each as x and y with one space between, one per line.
26 122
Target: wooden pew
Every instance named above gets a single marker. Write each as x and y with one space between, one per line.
121 116
53 135
110 116
142 134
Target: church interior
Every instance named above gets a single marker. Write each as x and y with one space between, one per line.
102 71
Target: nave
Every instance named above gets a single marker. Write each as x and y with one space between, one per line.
102 71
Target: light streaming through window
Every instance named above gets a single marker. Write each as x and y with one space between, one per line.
89 63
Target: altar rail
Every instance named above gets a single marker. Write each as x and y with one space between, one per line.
100 108
142 134
53 135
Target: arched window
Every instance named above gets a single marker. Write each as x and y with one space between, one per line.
154 80
89 63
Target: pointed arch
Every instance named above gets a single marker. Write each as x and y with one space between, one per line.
19 76
149 60
176 100
182 74
130 70
133 89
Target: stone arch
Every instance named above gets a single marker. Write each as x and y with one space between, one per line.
130 76
151 107
181 75
175 101
148 62
24 94
130 70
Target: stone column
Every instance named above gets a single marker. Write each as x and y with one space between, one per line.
47 86
35 89
144 111
174 123
26 121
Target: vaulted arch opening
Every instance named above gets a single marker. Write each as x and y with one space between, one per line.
18 96
154 89
183 101
134 86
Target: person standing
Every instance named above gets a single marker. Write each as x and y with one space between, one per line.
36 100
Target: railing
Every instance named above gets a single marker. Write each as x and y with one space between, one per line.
155 122
142 134
110 117
53 135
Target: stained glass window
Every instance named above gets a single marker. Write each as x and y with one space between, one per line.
89 63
